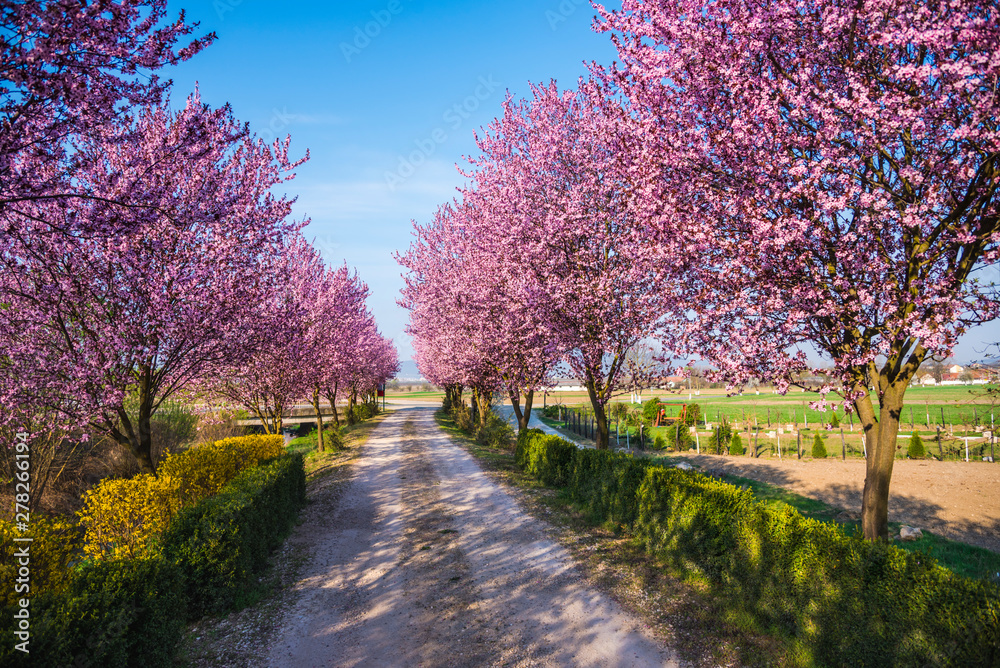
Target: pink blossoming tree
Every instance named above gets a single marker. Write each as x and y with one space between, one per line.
92 322
834 166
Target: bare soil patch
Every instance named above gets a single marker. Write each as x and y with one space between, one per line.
957 500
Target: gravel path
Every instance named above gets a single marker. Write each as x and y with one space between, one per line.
426 562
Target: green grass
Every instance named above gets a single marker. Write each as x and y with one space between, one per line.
424 394
565 431
309 442
960 404
966 560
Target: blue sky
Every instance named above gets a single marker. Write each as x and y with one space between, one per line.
386 95
410 92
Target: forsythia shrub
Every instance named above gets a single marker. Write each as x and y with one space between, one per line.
121 517
203 471
55 543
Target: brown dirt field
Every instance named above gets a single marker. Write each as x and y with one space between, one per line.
957 500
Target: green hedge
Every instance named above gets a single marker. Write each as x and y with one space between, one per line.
841 600
223 541
114 613
131 613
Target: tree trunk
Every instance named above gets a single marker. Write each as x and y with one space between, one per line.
881 437
484 406
331 397
352 399
522 416
137 437
319 419
603 436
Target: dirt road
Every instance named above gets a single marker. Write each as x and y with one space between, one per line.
426 562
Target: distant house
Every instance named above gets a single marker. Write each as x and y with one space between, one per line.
671 382
567 385
926 379
955 369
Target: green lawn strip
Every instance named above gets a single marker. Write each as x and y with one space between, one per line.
677 607
966 560
415 395
960 404
564 431
348 434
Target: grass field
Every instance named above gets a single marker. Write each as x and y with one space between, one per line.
963 407
431 394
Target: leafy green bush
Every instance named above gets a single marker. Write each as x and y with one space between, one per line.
916 448
462 416
524 442
496 433
679 437
548 458
844 600
659 443
720 438
113 613
551 411
840 600
834 420
362 412
223 541
692 415
819 447
650 409
736 445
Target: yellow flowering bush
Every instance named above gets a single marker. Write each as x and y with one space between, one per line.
54 544
204 471
122 516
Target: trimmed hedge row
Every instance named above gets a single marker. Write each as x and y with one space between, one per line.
133 612
224 540
842 600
